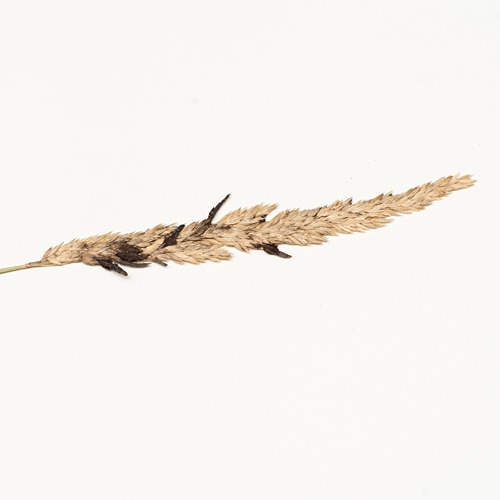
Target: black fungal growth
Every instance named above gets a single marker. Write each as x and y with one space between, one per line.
109 265
206 223
125 254
273 249
171 239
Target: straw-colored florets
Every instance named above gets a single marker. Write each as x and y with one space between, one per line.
245 229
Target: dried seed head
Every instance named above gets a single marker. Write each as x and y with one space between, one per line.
244 229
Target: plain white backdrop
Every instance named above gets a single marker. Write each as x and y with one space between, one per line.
366 368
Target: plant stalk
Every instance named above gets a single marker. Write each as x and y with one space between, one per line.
39 263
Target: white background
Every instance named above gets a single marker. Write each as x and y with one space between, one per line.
366 368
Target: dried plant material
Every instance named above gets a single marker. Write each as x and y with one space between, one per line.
244 229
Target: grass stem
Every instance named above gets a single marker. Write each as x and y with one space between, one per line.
39 263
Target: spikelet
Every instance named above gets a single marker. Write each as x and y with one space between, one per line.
244 229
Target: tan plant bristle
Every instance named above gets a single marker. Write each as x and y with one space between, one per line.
244 229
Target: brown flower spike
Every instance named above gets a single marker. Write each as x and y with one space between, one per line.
245 229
